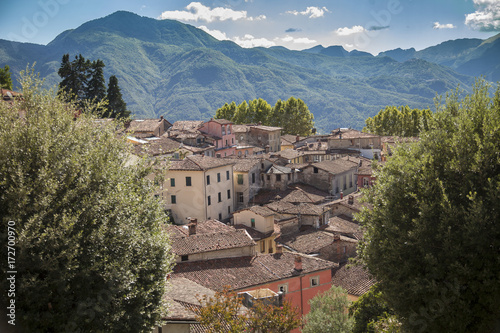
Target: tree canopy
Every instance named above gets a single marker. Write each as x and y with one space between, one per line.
292 115
432 239
401 121
328 313
90 252
83 81
224 312
5 79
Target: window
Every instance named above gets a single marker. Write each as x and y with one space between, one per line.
289 176
228 129
239 195
246 152
252 223
315 170
345 182
270 246
240 179
278 178
239 153
253 178
228 210
173 199
223 130
220 217
172 182
268 177
208 179
209 200
184 258
229 194
262 166
217 155
314 281
350 180
188 181
219 196
366 181
227 175
283 288
232 141
218 177
262 246
226 143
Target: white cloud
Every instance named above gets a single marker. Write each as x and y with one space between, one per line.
350 31
349 46
301 40
196 11
313 12
438 25
250 41
215 33
486 17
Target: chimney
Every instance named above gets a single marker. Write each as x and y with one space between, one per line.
336 237
279 248
267 149
297 138
161 118
360 162
350 200
192 227
341 195
298 263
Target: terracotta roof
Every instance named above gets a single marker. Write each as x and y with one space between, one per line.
145 125
285 207
181 296
342 225
312 241
187 125
163 145
199 163
243 164
200 243
288 139
260 210
202 227
277 169
289 154
244 272
355 279
350 134
255 234
266 128
335 166
299 192
221 121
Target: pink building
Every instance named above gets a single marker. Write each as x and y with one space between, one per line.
222 131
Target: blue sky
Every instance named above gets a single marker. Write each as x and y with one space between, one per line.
367 25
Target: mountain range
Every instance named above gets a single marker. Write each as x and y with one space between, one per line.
178 71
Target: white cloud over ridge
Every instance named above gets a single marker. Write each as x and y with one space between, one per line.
486 17
217 34
300 40
312 12
196 11
249 41
349 31
438 25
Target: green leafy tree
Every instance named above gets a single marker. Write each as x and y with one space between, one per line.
401 121
269 318
225 312
367 310
298 120
90 251
329 313
5 79
432 239
222 312
227 111
117 108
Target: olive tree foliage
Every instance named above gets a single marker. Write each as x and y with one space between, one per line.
432 239
90 252
329 313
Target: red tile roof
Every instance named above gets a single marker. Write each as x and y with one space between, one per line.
244 272
199 163
200 243
312 241
355 279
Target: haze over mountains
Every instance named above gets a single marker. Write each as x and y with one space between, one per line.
173 69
